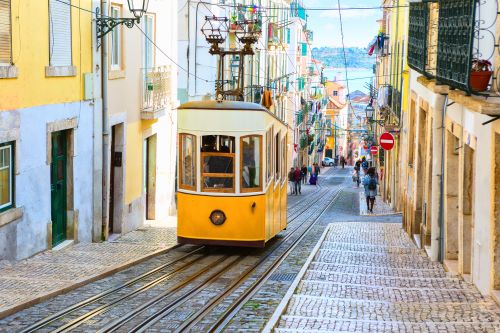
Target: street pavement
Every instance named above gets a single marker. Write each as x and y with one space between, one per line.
50 273
370 277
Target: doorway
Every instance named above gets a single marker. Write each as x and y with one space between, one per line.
466 219
451 196
58 186
150 176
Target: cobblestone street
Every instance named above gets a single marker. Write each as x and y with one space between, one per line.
369 277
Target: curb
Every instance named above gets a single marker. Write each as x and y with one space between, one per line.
82 282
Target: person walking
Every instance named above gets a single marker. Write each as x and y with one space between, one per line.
342 161
355 177
364 165
291 180
370 183
297 180
314 175
304 173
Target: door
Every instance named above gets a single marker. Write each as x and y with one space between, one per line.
150 174
58 174
111 213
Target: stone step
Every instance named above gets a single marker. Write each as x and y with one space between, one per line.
304 324
331 308
388 294
437 272
385 281
375 259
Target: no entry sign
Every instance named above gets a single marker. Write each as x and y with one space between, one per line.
374 150
386 141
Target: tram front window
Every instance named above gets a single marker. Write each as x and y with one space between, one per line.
217 158
251 147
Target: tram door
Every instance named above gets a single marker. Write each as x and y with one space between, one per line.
150 176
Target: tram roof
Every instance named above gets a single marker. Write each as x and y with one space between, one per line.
224 105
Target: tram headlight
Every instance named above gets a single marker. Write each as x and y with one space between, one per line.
217 217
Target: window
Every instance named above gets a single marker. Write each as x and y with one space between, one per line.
5 32
59 33
277 157
269 153
217 163
251 163
283 158
335 93
116 40
149 30
187 163
6 175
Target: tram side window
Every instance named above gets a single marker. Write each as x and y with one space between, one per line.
277 157
217 163
188 161
251 173
269 153
283 158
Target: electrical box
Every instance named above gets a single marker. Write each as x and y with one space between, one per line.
88 86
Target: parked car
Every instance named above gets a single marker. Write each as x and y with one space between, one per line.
328 161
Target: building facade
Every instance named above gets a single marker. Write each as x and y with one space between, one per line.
448 157
46 126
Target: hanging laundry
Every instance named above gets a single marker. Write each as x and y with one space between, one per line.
267 99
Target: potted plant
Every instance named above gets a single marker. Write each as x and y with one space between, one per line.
233 25
480 74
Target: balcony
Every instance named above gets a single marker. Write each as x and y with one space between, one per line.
155 92
445 38
309 36
297 10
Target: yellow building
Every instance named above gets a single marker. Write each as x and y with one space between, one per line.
46 125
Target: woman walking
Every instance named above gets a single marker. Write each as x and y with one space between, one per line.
370 183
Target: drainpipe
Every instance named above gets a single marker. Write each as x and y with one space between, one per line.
105 127
441 187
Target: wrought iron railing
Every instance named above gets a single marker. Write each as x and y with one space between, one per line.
417 36
455 42
155 89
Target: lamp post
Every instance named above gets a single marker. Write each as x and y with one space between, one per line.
106 24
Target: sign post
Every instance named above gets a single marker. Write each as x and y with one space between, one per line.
386 141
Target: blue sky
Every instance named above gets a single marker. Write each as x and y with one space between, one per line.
360 26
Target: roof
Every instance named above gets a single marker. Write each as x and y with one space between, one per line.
224 105
336 103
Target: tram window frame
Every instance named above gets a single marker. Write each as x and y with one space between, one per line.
277 165
232 155
251 189
283 157
181 162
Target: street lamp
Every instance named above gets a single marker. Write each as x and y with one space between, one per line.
106 24
369 115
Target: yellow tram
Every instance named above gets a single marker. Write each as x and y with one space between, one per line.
232 174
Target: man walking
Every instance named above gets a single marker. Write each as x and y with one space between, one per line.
370 183
297 180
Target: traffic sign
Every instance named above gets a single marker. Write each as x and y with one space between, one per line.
386 141
374 150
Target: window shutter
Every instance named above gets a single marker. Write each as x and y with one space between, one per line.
60 33
5 33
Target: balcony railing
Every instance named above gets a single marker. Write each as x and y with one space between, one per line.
417 39
455 42
155 92
297 10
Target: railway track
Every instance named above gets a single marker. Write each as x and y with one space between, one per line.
176 294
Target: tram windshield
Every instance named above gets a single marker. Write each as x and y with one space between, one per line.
217 158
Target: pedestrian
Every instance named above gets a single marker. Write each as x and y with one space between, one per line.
342 161
336 161
314 176
304 173
355 177
291 180
364 165
297 180
370 183
357 165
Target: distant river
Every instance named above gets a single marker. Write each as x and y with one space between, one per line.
358 77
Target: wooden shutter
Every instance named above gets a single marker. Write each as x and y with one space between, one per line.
5 32
60 33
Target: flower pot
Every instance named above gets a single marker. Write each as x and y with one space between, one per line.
478 81
233 26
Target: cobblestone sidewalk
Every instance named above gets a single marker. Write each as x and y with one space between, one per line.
379 208
370 277
50 273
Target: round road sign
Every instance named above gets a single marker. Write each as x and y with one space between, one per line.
374 150
386 141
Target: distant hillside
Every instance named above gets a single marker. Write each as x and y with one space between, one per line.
333 57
